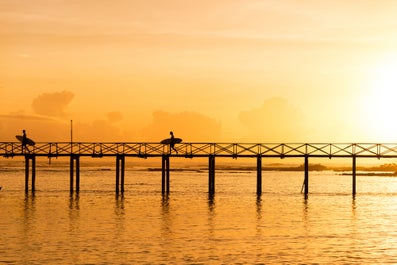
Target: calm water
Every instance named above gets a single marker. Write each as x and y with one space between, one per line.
190 227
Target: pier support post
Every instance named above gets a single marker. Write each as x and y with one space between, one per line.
74 166
120 169
165 174
26 173
259 175
306 174
27 168
33 158
211 174
354 176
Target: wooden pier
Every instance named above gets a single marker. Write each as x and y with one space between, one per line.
259 151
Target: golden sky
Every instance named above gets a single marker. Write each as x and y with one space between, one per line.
227 70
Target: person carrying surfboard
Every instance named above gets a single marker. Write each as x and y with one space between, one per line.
172 142
24 142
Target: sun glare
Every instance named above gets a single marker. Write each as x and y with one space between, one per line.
380 105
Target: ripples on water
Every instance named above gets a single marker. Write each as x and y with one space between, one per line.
188 226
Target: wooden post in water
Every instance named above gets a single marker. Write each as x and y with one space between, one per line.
26 173
165 174
71 174
120 169
211 174
74 162
259 175
354 175
27 169
77 158
33 173
122 174
306 174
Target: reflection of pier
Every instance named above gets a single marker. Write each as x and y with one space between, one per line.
191 150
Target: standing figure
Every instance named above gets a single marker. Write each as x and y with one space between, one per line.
172 142
24 142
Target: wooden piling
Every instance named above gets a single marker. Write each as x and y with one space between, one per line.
211 174
120 169
165 174
354 175
259 175
77 159
74 168
33 173
306 174
26 173
122 173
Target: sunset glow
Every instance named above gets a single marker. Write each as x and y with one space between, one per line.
252 71
380 101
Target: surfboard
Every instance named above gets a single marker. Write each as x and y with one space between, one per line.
28 140
168 141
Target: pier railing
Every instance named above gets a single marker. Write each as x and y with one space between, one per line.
151 149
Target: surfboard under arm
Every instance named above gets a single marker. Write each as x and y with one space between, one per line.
168 141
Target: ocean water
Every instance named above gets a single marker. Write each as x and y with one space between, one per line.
188 226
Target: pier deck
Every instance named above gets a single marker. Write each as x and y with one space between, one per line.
75 150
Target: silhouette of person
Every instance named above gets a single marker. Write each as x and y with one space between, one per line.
24 142
172 143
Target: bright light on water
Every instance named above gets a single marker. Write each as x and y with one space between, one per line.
190 227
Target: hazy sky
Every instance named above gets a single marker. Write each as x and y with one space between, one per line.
227 70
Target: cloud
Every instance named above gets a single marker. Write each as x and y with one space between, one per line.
190 126
275 120
52 104
21 116
39 128
98 130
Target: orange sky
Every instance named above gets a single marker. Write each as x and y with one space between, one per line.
235 70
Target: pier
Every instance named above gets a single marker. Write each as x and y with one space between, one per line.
258 151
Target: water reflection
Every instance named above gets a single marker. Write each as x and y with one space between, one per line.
211 203
165 215
74 201
29 210
259 207
305 213
74 213
259 224
119 208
